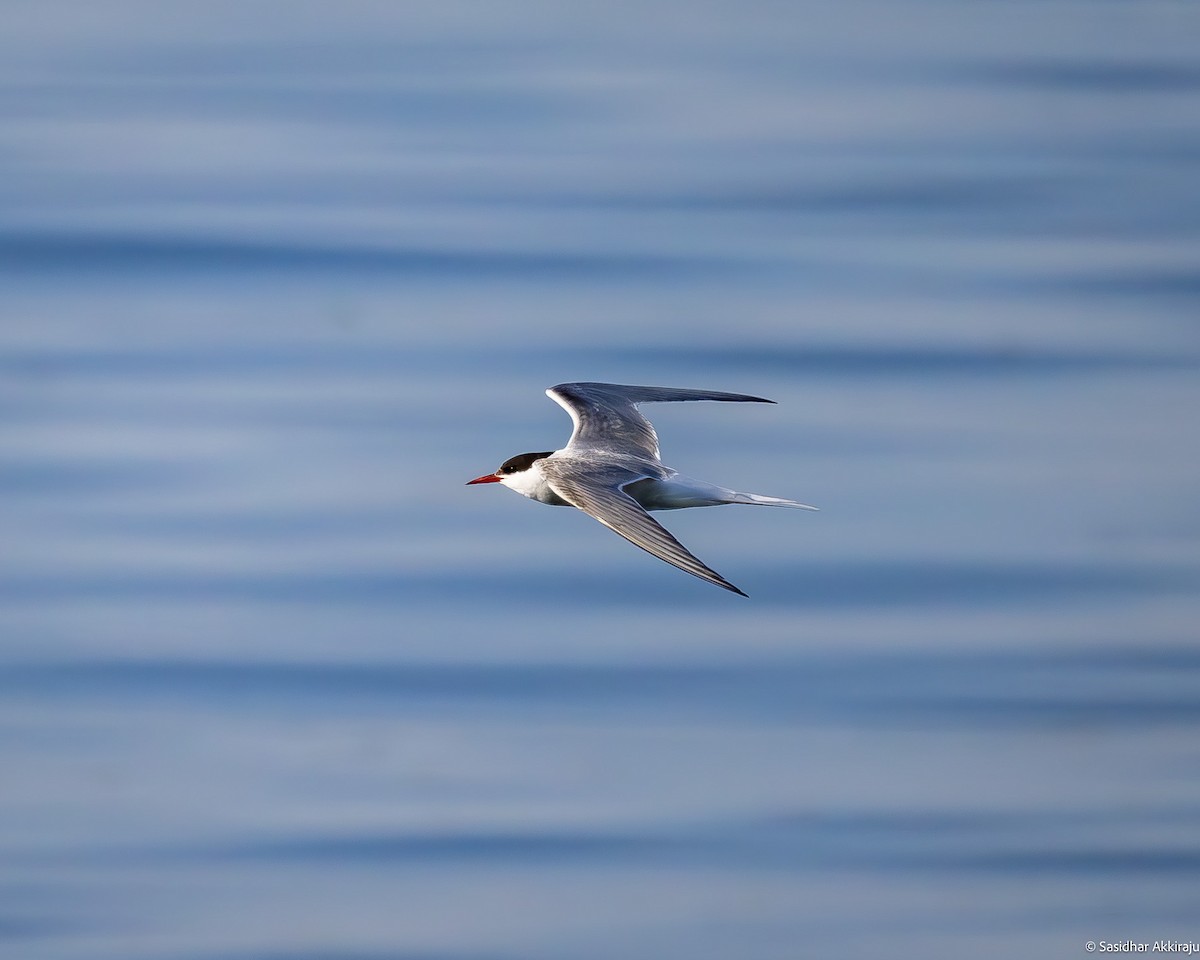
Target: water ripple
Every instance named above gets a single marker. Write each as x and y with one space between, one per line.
835 585
86 253
1122 690
984 842
1094 77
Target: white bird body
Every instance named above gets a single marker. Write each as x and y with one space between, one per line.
611 470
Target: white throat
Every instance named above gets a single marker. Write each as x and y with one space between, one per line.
530 483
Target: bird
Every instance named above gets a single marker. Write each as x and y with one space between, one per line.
611 470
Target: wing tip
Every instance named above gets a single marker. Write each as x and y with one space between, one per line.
717 394
711 576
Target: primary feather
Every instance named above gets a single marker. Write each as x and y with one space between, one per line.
606 414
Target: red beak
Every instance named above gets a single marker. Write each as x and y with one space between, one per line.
487 478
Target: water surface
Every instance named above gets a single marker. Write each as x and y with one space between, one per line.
278 280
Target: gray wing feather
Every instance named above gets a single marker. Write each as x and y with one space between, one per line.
606 414
599 495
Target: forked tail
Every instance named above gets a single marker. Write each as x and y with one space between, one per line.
757 499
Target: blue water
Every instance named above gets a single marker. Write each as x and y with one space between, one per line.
277 279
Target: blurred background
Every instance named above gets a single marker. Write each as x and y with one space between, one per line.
278 278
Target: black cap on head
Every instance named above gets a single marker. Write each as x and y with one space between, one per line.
521 462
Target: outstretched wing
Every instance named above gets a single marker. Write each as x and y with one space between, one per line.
599 493
606 415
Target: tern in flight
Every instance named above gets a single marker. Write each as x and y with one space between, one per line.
610 469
